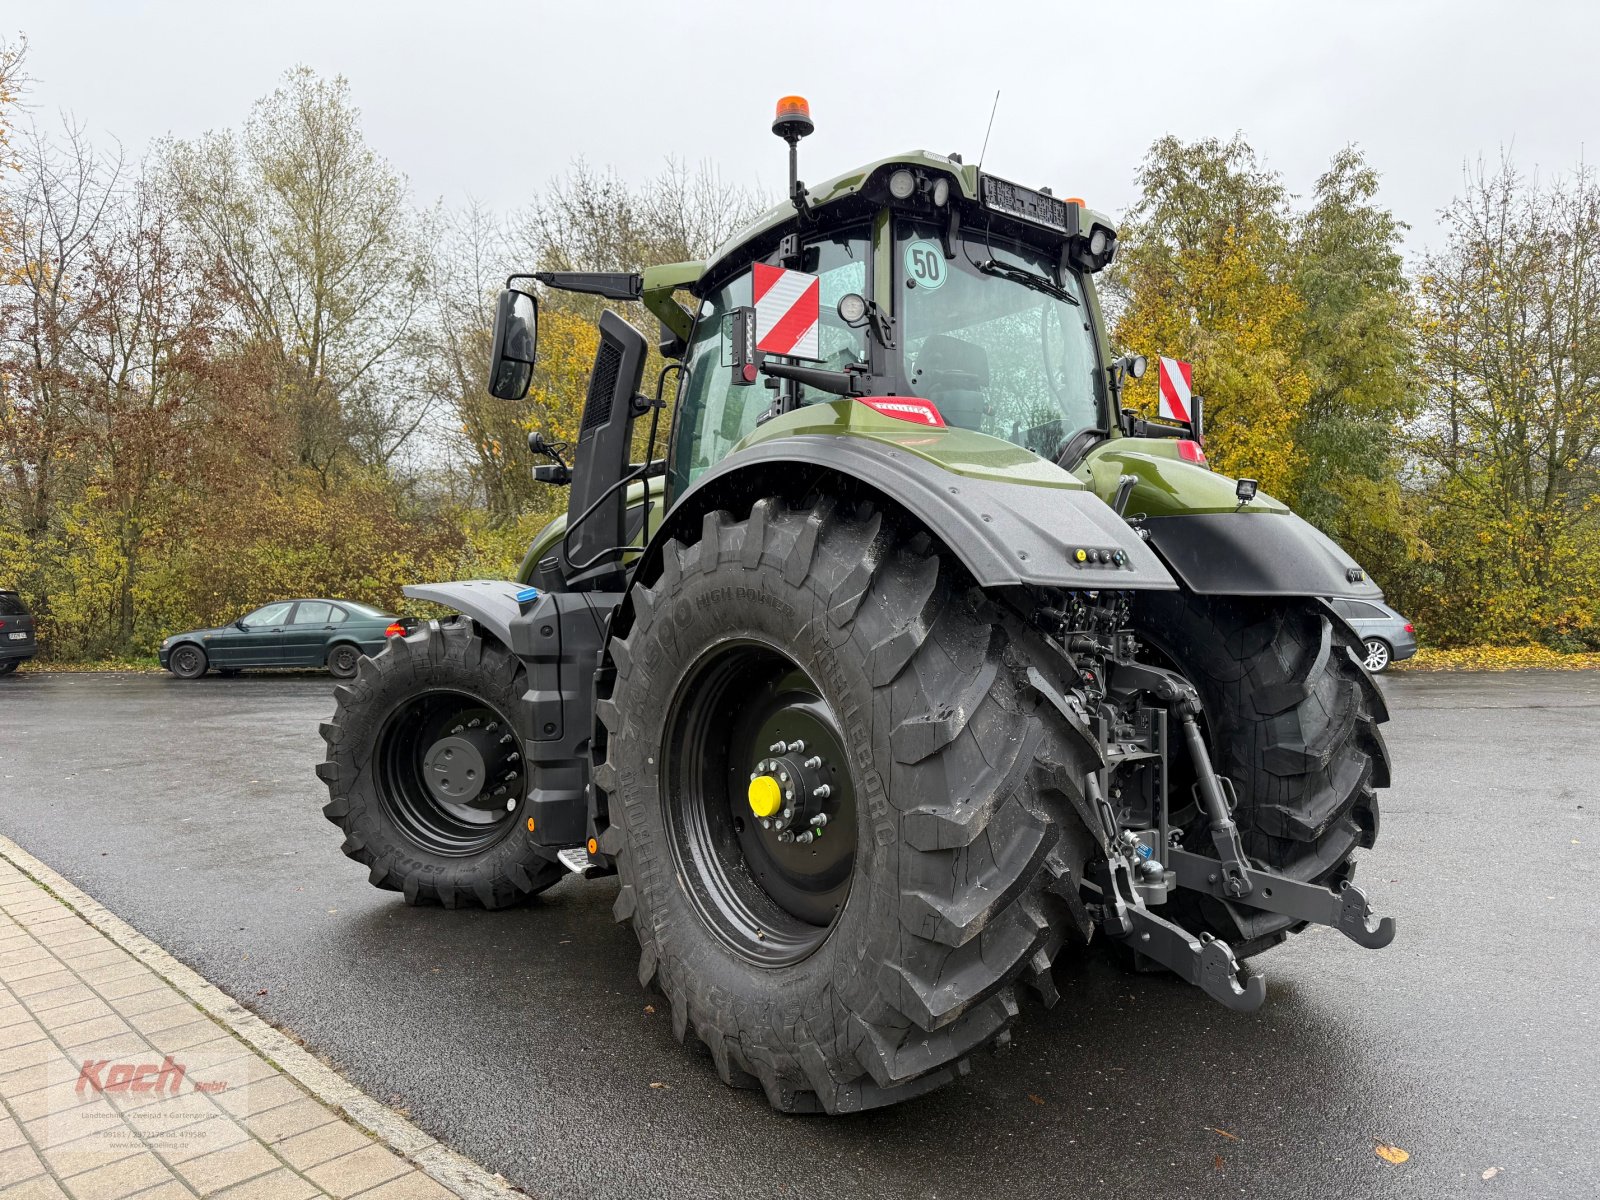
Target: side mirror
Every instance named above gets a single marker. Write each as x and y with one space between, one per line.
240 625
516 344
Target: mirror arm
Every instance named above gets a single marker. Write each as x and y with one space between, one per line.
838 383
611 285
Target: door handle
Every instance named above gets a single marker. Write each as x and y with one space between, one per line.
329 628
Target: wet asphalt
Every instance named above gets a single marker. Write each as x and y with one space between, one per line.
522 1038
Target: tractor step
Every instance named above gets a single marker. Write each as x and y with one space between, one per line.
575 859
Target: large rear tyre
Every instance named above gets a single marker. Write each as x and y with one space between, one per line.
1292 719
861 967
425 774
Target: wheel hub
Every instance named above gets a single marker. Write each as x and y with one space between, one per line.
454 769
790 795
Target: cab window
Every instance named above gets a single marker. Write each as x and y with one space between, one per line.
715 414
998 336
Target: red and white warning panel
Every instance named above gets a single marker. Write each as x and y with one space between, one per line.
788 307
1177 384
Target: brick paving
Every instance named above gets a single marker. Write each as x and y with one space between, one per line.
114 1085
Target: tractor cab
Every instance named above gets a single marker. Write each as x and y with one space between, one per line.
964 299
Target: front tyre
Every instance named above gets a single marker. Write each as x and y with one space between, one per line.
188 661
425 774
841 815
1291 718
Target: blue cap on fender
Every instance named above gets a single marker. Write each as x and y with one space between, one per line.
527 595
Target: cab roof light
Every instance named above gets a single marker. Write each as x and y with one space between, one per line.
793 118
906 408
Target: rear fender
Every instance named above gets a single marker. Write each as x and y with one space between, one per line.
1005 533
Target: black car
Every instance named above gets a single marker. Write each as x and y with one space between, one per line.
17 643
286 633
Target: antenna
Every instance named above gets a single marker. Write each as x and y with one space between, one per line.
989 130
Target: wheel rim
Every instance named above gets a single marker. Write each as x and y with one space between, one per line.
186 660
450 772
344 660
1377 655
770 887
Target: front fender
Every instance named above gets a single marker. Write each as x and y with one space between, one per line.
492 603
1005 533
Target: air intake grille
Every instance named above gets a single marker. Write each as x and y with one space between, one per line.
602 385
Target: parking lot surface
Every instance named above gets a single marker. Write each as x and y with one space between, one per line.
522 1038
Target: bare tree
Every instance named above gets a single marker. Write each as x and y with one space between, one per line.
325 257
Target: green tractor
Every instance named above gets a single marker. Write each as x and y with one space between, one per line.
912 662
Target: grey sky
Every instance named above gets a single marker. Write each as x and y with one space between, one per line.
491 100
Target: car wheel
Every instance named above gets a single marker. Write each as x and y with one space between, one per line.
188 661
343 661
9 666
1378 656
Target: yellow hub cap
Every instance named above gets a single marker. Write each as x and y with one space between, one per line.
766 797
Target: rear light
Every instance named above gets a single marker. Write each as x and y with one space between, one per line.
1189 450
1408 628
395 630
905 408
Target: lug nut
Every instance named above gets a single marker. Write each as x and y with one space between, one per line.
814 763
820 820
510 805
805 838
796 747
788 814
766 824
783 777
777 747
821 792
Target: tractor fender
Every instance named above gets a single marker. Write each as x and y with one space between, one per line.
1268 553
492 603
1006 534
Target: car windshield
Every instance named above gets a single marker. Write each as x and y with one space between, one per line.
998 337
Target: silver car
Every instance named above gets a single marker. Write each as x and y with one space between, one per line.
1388 636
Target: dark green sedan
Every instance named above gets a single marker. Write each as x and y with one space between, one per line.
287 633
